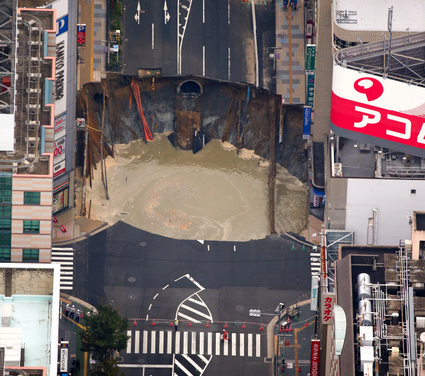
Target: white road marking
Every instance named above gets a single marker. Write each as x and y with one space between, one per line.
155 296
205 360
193 350
201 343
195 311
190 360
188 317
165 287
169 341
147 317
228 63
217 343
249 344
228 12
203 73
129 342
153 341
153 36
203 11
201 303
150 306
183 368
185 342
145 342
137 342
177 344
233 344
161 342
242 344
234 247
209 346
258 345
225 348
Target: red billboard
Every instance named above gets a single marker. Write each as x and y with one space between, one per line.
379 111
315 357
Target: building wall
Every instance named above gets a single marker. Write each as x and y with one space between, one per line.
395 204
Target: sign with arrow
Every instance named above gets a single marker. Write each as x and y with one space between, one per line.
166 14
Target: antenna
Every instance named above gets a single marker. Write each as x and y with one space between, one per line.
390 30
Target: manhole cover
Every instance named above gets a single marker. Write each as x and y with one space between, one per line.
131 279
141 361
142 244
132 296
240 308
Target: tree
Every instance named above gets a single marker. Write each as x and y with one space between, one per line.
105 334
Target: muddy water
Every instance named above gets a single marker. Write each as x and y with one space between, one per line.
212 195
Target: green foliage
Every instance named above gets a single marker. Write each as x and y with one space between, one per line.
117 10
108 367
104 335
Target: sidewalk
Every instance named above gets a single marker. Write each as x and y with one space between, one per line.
92 63
290 73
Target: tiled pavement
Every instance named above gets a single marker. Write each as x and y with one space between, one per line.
290 74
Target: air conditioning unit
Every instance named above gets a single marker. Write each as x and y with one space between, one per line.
337 170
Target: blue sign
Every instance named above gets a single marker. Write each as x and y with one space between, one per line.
62 25
306 122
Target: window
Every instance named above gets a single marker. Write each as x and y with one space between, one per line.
5 224
413 191
4 254
31 227
5 211
5 189
30 255
31 198
5 240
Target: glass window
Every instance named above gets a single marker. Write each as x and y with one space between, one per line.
5 224
32 198
4 254
30 255
5 240
5 189
5 211
31 227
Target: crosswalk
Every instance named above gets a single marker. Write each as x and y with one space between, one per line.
64 257
315 262
194 343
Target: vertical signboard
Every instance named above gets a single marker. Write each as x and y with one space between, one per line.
315 357
314 292
324 267
310 59
306 122
61 7
310 90
63 365
328 302
81 35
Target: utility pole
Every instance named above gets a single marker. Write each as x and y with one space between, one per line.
390 30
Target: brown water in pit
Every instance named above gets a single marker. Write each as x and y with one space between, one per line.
212 195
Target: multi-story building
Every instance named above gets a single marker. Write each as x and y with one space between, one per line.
36 174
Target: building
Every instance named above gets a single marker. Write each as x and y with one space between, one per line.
29 306
36 174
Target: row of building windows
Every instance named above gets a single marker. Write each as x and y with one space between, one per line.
30 198
28 254
30 227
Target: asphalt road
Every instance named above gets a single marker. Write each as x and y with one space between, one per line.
212 38
152 280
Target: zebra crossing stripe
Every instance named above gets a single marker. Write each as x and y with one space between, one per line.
225 348
249 344
258 347
190 360
193 350
233 344
129 341
209 350
217 343
153 341
205 360
242 344
182 367
177 347
136 342
200 302
169 341
201 343
161 342
145 342
185 342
